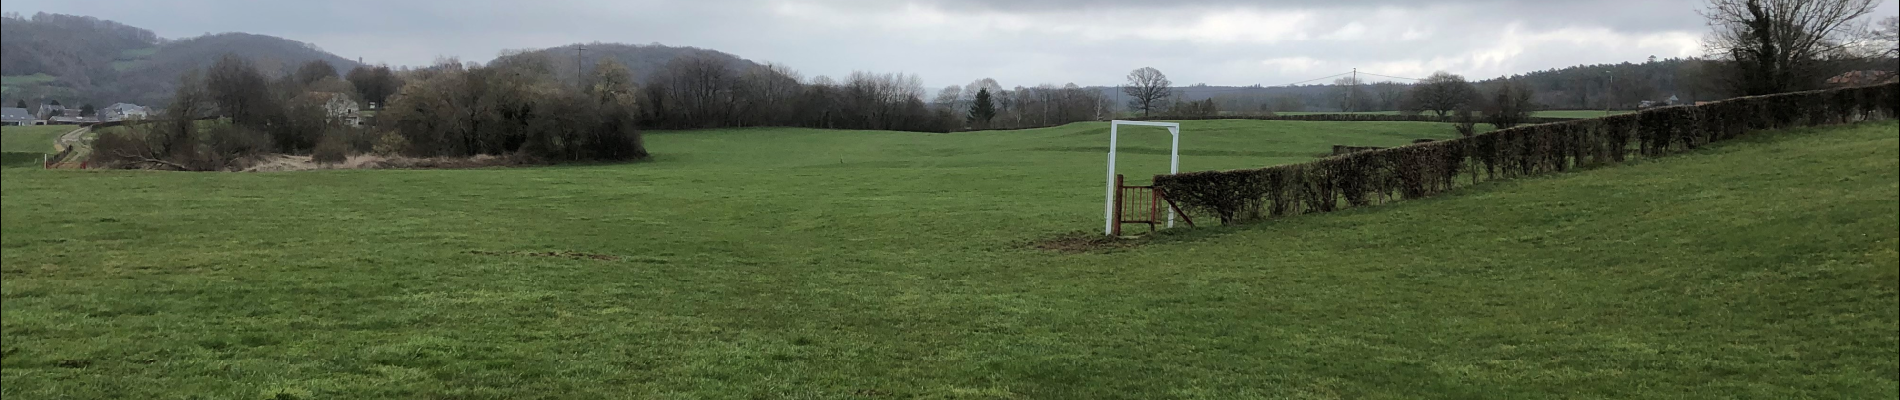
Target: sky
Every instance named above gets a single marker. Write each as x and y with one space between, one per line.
1016 42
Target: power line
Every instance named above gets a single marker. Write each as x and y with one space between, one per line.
1315 78
1389 76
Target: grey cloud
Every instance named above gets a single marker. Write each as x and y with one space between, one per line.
954 42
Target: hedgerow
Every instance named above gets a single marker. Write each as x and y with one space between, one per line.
1426 169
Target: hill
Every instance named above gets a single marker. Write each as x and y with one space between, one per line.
778 263
66 46
643 60
78 59
152 78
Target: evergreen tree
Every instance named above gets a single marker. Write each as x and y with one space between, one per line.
983 109
20 103
86 110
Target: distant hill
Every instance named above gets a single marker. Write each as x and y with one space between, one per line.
641 59
151 79
66 45
76 59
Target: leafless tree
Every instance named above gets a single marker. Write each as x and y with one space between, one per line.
240 91
1148 90
691 92
374 84
1778 45
1443 93
1389 93
1510 103
764 95
1349 94
950 98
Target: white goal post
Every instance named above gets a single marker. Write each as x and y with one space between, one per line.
1114 136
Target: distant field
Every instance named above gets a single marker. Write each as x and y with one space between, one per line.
800 263
31 139
11 80
23 146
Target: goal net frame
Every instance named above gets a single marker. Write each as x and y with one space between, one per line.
1114 139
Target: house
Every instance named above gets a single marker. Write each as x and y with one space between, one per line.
124 111
1862 78
48 111
338 107
1673 100
12 116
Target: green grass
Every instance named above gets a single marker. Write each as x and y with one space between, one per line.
14 80
31 139
793 263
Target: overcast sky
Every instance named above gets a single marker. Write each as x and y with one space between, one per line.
1017 42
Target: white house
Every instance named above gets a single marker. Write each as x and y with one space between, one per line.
338 107
124 111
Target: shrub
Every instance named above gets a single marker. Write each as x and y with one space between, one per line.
389 144
332 149
1426 169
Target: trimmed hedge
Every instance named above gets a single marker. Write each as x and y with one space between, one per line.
1426 169
1345 118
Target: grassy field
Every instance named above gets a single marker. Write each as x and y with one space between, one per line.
793 263
22 146
11 80
31 139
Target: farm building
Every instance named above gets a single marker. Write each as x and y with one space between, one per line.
11 116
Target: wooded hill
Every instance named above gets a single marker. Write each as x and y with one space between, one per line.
79 60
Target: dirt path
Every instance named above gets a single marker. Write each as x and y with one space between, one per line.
70 139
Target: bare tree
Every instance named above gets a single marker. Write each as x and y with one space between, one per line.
949 98
239 90
1389 93
1443 93
691 92
1349 94
1510 103
1148 90
374 84
1778 45
1886 39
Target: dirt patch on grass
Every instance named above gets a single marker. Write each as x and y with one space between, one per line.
572 255
1085 242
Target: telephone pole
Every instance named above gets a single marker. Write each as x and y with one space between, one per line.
1352 93
580 78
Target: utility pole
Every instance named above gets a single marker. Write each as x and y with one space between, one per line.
580 78
1352 94
1609 95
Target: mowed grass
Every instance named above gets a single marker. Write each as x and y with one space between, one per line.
791 263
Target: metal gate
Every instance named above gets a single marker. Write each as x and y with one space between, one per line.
1142 205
